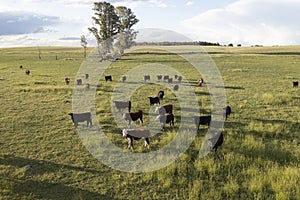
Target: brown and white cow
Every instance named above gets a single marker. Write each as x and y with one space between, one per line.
136 134
133 116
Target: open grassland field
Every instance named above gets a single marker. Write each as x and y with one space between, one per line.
259 159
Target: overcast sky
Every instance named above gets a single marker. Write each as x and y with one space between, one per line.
246 22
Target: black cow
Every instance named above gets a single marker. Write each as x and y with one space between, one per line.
216 141
176 87
21 67
133 116
154 100
226 111
170 80
136 134
79 81
166 78
147 78
108 78
166 119
203 120
295 83
179 78
87 76
27 72
161 94
159 77
81 117
123 78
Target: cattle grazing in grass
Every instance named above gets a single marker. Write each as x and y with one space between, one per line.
79 81
161 94
123 78
154 100
295 83
159 77
136 134
216 141
166 119
200 82
161 110
81 117
123 104
87 76
203 120
226 112
166 78
108 78
133 116
147 78
27 72
176 87
179 78
67 80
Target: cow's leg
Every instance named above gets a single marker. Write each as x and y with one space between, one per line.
147 142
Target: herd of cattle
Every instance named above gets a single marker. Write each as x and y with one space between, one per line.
164 114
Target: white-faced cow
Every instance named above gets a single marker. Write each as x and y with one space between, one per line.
81 117
123 104
203 120
67 81
136 134
27 72
133 116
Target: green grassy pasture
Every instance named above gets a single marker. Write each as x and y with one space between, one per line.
259 159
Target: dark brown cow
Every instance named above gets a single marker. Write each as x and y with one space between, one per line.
123 78
67 80
87 76
179 78
136 134
203 120
154 100
216 141
161 110
81 117
123 104
133 116
159 77
170 80
166 78
295 83
226 111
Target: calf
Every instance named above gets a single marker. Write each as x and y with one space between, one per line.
295 83
81 117
154 100
226 111
166 119
67 80
161 110
216 141
108 78
27 72
147 78
203 120
79 81
133 116
123 104
161 94
136 134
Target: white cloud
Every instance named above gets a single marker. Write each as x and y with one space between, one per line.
189 3
267 22
140 3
